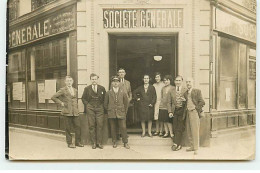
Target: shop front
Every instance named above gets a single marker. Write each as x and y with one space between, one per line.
41 53
234 68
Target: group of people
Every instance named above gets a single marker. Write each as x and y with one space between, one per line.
173 108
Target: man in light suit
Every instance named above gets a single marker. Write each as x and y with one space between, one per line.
67 98
193 109
116 104
93 100
176 102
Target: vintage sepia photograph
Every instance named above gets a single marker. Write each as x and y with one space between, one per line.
131 80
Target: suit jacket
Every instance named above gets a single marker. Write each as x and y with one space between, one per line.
171 105
126 87
88 92
197 100
70 107
116 109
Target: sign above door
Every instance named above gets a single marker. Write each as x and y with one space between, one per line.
142 18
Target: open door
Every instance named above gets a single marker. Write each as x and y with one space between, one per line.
136 55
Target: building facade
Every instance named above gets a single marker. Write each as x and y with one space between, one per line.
212 41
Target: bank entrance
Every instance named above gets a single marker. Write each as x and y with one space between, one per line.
140 55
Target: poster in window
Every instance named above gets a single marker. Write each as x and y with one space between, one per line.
41 93
18 91
23 93
50 88
252 70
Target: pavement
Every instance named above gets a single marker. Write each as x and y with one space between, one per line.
32 145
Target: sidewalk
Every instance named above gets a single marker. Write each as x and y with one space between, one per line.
30 145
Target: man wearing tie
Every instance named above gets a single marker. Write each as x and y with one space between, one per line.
125 84
176 111
192 110
93 100
67 98
126 87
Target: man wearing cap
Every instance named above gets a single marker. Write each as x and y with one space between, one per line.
93 100
116 104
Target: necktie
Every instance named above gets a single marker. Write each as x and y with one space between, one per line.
71 92
94 88
178 88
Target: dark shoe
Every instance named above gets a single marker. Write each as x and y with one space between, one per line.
174 146
178 148
172 136
126 146
79 145
114 145
71 146
94 146
189 149
156 134
160 134
100 146
166 135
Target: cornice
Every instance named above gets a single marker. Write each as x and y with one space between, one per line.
234 7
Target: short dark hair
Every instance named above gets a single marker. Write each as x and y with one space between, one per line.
93 75
68 77
179 77
158 73
168 77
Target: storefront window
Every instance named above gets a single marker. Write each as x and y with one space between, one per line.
16 80
228 73
47 68
252 79
242 75
237 75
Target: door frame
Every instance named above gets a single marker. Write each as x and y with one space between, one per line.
112 39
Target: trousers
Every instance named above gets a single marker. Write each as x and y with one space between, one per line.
95 115
178 125
72 122
192 126
122 127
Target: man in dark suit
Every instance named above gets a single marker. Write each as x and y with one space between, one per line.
116 104
93 100
193 109
176 102
67 98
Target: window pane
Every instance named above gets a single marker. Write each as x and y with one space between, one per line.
252 83
47 66
242 76
16 80
228 55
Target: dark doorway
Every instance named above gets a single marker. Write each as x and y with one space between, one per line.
136 55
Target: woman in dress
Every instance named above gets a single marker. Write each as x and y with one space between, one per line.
163 112
145 95
158 88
